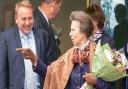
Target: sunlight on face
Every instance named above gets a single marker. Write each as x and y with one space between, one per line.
78 38
24 20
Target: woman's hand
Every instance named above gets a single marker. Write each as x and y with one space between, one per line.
90 78
28 54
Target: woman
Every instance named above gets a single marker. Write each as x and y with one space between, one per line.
73 68
68 71
98 17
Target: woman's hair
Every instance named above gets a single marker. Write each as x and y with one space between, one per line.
97 14
23 3
85 20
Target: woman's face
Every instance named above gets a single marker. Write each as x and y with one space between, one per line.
55 9
78 38
95 26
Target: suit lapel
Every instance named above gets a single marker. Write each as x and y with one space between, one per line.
17 38
19 45
42 18
43 21
37 41
44 25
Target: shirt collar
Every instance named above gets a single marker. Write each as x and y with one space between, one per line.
95 36
30 35
45 16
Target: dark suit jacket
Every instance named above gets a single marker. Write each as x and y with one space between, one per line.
12 68
120 33
40 22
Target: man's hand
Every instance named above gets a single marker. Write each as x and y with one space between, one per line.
28 54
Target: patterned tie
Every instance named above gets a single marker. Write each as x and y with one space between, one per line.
26 42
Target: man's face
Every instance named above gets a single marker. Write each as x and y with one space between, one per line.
24 20
56 10
78 38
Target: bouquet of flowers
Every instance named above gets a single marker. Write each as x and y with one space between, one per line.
108 64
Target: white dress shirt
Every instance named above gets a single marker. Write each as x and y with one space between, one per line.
32 80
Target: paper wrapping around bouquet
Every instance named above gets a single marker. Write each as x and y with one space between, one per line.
103 68
86 86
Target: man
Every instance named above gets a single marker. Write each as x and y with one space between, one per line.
121 27
15 70
47 11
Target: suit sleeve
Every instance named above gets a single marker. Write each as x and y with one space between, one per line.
40 68
3 62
